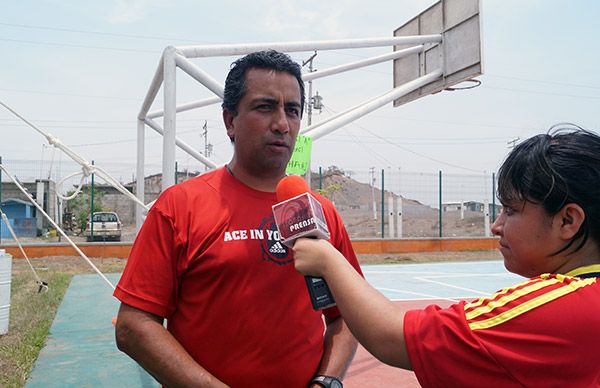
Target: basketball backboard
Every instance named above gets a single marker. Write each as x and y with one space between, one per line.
458 54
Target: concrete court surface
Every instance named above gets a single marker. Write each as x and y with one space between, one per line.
81 351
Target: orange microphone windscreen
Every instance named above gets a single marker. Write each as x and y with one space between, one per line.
290 187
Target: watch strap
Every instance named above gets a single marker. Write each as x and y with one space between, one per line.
327 381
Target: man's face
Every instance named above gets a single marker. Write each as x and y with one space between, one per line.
267 122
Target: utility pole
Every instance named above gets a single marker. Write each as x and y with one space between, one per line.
512 143
310 104
373 192
207 146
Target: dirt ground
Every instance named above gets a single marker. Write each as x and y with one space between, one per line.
76 265
68 264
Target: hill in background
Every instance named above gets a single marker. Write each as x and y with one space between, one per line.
354 201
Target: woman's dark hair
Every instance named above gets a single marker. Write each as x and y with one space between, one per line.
560 167
235 84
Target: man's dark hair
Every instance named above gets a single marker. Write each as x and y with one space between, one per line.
235 84
552 170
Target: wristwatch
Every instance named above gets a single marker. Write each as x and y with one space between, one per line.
327 382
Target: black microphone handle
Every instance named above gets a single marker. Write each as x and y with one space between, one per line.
320 294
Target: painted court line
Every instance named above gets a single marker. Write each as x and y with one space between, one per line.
81 351
444 284
422 296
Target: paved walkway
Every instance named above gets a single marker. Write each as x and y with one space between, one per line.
81 350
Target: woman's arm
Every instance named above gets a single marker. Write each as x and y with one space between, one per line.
374 320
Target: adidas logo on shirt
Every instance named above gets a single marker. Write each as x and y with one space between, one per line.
277 248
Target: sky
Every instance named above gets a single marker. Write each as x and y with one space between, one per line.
80 70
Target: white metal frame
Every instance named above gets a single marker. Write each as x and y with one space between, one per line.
179 57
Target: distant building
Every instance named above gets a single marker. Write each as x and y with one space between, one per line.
473 206
451 206
43 192
20 215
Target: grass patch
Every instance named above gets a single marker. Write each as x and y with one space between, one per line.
31 315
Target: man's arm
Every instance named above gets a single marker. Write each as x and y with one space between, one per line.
144 338
339 349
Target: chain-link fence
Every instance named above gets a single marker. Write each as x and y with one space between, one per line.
393 203
374 203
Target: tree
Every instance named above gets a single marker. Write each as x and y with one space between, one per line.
334 170
80 206
328 191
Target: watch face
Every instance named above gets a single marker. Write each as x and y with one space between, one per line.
328 382
336 384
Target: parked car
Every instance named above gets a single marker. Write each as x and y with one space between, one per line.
107 226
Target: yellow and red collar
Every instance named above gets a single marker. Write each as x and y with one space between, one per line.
587 271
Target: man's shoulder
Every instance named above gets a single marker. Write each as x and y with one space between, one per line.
322 200
205 187
207 182
328 206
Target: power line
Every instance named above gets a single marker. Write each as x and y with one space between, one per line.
16 125
418 153
69 94
29 26
79 46
421 142
454 123
195 129
360 143
98 121
411 151
543 81
544 93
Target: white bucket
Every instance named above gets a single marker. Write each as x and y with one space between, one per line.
5 280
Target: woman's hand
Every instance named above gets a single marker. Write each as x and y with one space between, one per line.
312 256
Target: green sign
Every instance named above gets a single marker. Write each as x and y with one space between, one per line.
300 160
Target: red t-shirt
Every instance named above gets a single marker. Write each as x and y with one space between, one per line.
544 332
209 260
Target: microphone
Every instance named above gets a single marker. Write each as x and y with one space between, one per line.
299 214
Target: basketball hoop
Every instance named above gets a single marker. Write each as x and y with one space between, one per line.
475 83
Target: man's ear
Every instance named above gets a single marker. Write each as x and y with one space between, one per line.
228 117
571 217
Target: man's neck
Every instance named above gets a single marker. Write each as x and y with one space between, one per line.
266 183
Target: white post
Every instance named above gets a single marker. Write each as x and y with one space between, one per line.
59 218
187 106
373 193
199 75
169 123
486 220
183 145
318 131
39 199
362 63
486 207
399 205
140 174
243 49
400 217
391 228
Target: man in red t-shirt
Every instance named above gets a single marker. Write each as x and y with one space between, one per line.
208 259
